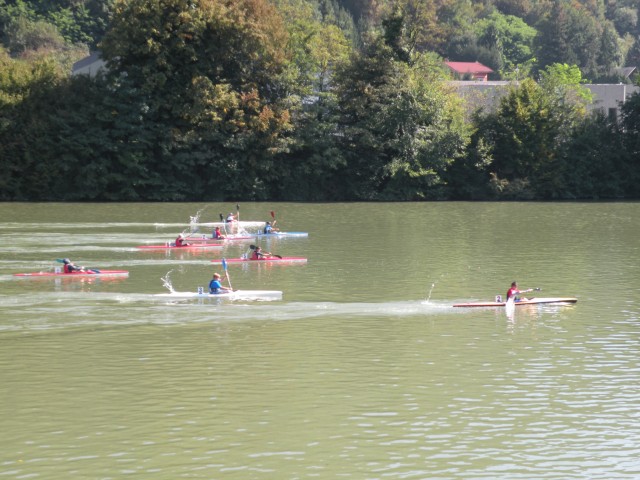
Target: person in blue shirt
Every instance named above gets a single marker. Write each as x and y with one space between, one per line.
215 286
268 228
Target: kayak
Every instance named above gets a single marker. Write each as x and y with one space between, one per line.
530 301
282 234
237 295
185 247
235 224
227 238
88 273
218 261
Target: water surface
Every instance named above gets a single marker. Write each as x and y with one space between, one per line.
363 370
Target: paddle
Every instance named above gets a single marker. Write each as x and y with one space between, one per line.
237 218
92 270
273 216
266 254
226 272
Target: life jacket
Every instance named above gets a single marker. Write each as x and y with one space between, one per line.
67 268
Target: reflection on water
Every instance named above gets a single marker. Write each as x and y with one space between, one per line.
363 370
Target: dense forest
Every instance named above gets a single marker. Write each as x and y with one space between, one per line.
314 100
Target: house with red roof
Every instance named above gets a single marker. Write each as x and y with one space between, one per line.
469 71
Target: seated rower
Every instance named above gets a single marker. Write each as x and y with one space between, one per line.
514 291
217 234
258 254
215 286
70 267
268 228
180 241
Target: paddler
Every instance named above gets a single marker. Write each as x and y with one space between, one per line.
231 218
215 286
268 228
217 234
513 291
258 254
180 242
70 267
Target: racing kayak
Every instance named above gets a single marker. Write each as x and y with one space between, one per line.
282 234
199 246
237 295
218 261
530 301
87 273
227 238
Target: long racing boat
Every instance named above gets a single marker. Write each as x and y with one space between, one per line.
274 259
265 295
521 303
282 234
85 273
198 246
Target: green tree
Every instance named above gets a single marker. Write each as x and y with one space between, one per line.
207 79
527 137
512 37
398 128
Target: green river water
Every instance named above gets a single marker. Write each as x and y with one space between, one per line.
363 370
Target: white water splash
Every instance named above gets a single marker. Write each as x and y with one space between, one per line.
430 291
166 281
195 220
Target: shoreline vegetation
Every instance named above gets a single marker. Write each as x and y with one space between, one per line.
312 101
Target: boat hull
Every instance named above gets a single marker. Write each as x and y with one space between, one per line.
237 295
198 246
101 273
231 261
282 234
530 301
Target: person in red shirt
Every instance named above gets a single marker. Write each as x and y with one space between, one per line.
180 242
513 291
70 267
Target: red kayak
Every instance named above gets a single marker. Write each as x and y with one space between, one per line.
227 238
218 261
87 273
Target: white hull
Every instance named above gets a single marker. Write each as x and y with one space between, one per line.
237 295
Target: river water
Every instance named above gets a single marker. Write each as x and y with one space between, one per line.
364 370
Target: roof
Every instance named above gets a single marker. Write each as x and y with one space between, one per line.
468 67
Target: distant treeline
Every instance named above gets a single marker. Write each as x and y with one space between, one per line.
303 100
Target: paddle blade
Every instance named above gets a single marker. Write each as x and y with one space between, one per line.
278 256
273 214
224 264
221 218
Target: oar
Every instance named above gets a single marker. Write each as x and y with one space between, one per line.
253 247
238 218
226 272
92 270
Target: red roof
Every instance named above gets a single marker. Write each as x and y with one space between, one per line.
468 67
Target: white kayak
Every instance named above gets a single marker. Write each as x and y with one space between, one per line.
521 303
282 234
265 295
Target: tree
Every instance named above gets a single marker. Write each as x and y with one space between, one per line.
398 128
528 135
207 79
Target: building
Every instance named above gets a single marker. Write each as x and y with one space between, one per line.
90 65
607 98
469 71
